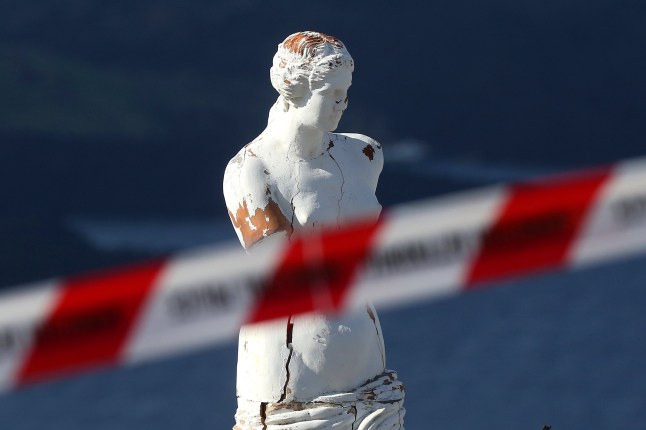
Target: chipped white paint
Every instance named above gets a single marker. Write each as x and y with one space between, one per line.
299 174
377 404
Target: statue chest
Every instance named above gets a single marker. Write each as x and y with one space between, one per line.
324 191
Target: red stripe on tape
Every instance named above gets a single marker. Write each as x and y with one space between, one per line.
90 322
315 272
536 227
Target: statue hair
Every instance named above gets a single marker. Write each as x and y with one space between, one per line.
303 60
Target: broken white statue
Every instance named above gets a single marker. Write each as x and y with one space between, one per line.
313 371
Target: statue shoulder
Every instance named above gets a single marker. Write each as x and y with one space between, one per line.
245 174
245 162
361 138
365 147
253 208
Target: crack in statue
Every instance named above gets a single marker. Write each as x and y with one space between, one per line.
312 371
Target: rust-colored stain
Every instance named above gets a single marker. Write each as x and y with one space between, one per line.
270 219
293 406
305 44
369 151
251 153
263 414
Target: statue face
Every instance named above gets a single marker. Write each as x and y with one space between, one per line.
325 105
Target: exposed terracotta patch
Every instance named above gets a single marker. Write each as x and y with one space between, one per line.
369 151
268 220
305 43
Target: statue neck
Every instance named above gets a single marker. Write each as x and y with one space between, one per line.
295 138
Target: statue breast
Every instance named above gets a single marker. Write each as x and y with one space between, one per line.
328 189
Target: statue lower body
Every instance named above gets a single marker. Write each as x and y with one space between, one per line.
378 404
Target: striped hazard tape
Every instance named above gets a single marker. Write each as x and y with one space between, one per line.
417 251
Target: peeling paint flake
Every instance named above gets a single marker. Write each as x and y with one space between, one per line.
369 151
236 160
371 314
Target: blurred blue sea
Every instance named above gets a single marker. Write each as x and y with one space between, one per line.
117 119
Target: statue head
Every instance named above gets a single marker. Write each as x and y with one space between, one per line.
304 61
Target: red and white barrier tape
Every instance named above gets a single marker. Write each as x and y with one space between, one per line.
423 250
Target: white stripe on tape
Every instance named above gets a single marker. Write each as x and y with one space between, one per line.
420 256
22 312
616 226
202 297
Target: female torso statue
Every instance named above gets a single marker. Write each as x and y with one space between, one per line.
298 175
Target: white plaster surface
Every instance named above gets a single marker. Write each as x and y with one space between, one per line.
299 175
